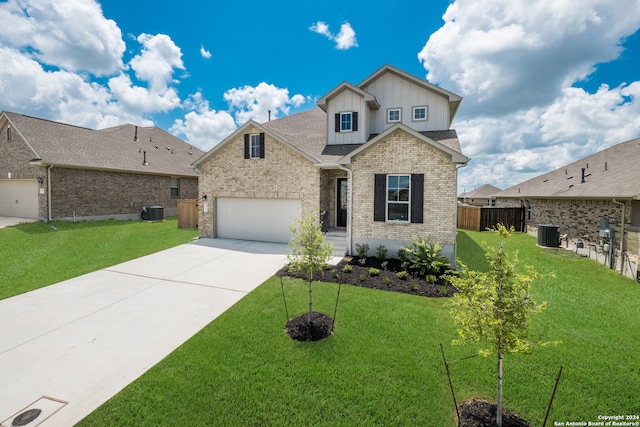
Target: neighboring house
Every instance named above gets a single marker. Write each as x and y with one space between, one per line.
481 196
51 170
575 197
377 159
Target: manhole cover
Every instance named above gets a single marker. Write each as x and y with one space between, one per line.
26 417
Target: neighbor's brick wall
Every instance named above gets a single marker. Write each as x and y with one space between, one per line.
402 153
15 155
576 218
282 174
89 193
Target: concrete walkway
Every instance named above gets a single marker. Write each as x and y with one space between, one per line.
8 221
67 348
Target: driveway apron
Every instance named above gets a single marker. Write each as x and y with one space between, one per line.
67 348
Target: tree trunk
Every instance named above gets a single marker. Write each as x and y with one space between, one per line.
499 410
310 302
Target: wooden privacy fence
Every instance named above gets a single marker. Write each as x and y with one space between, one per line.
188 213
480 218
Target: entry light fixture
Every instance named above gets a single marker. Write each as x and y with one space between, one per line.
40 180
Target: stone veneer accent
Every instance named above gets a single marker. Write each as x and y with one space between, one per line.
282 174
402 153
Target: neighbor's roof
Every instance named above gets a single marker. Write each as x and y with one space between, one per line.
608 174
484 191
114 148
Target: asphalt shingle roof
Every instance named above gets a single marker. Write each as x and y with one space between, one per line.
484 191
610 173
307 131
114 148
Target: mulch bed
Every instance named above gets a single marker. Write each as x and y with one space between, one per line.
480 413
387 280
300 329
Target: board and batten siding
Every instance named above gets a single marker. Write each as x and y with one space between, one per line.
392 91
347 101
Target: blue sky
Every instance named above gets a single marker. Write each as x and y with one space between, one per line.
544 82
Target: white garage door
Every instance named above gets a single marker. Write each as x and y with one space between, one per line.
265 220
19 198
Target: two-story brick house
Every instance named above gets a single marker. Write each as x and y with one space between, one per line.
379 160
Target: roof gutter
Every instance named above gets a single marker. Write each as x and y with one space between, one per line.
350 215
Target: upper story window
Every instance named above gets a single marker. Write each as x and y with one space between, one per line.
175 187
254 145
347 121
420 113
394 115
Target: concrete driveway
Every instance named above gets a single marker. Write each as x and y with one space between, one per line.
67 348
8 221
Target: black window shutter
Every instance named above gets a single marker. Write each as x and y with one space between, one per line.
417 198
262 145
354 119
379 197
247 147
337 122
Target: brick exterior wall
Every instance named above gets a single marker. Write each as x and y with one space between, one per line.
402 153
578 218
15 156
282 174
96 194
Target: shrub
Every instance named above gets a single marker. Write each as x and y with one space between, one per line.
335 274
413 285
361 277
386 280
431 278
362 261
381 252
384 264
374 271
426 257
402 275
362 249
347 268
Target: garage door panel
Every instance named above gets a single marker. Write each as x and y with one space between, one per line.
266 220
19 198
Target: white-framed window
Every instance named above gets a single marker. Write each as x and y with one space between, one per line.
394 115
398 197
254 147
346 122
175 187
420 113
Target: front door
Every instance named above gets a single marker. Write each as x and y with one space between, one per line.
341 202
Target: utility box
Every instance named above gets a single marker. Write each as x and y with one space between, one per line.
607 233
548 235
152 213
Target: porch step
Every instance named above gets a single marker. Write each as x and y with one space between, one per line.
339 240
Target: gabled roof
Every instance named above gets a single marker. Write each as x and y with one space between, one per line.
613 173
64 145
454 100
446 141
484 191
371 100
302 139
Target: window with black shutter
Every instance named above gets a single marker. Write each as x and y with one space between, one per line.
398 198
254 146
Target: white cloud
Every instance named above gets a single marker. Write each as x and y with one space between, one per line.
72 35
345 39
205 53
203 127
254 103
515 62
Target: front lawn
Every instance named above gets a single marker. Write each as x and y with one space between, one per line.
383 365
36 254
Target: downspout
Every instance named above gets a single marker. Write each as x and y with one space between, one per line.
349 221
49 193
624 206
455 219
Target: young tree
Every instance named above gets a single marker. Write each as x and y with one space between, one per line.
495 307
308 251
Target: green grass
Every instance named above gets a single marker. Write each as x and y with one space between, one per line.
35 255
383 365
